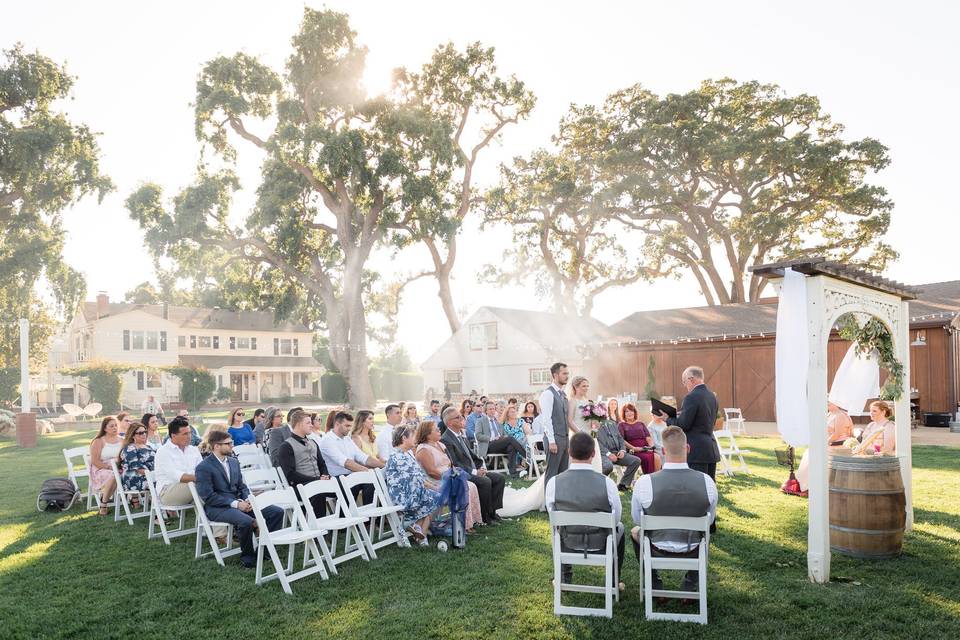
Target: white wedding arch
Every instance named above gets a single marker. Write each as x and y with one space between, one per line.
828 291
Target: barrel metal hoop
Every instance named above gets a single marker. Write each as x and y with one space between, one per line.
868 492
866 556
866 532
872 464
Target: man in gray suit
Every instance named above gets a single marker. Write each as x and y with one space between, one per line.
491 439
553 411
613 448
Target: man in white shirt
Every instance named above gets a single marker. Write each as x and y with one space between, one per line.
151 406
385 434
175 465
580 488
343 456
675 490
554 408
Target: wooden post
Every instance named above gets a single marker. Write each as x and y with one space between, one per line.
26 430
24 365
901 347
818 528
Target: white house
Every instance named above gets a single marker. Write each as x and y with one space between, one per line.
246 351
508 352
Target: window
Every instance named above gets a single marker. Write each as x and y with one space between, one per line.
453 380
136 340
286 347
153 341
253 344
300 380
483 335
182 341
193 342
296 346
216 342
243 343
153 380
540 376
139 375
276 346
126 340
206 342
144 340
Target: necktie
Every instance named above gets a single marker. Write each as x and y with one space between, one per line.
494 429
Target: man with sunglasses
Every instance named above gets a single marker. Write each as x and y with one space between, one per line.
226 497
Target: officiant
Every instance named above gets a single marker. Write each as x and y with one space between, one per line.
697 417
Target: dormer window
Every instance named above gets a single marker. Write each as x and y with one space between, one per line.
483 335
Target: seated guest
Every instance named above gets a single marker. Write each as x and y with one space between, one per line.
880 436
344 457
277 436
385 433
195 438
432 456
637 437
410 417
580 488
175 464
104 448
675 490
316 423
472 417
300 459
489 484
513 426
136 458
492 440
531 426
613 410
123 423
839 425
329 420
226 498
613 448
204 446
364 436
410 487
152 423
434 415
258 417
271 418
240 431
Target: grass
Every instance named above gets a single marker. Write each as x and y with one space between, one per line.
78 575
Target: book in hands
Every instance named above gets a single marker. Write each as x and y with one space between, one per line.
663 407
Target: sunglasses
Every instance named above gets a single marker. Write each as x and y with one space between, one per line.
139 433
226 442
241 414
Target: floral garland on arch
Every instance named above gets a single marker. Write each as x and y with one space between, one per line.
874 336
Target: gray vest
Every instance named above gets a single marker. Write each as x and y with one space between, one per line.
305 455
582 490
678 492
559 415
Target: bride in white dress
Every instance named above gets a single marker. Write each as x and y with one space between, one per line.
517 502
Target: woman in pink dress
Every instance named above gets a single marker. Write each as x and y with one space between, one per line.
637 437
432 456
103 449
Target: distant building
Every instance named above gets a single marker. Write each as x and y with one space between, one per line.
507 352
245 351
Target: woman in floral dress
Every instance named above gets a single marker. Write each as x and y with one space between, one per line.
409 486
136 458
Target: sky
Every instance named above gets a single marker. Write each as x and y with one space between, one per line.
886 70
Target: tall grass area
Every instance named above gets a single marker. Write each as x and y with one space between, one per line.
77 575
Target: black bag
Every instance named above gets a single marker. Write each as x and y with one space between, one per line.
57 494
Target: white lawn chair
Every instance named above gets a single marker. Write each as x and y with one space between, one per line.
497 462
648 562
254 460
75 473
356 540
121 500
728 450
159 510
205 530
381 511
258 480
606 559
93 500
297 532
247 449
535 455
283 477
733 421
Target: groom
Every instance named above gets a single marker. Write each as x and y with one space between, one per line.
553 409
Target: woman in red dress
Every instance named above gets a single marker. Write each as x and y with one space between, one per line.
636 435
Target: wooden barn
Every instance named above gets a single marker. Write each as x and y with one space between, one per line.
735 345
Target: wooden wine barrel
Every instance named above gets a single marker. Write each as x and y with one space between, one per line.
867 506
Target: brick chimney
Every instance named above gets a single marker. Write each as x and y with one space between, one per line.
103 303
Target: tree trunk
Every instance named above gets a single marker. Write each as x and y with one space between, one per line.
446 299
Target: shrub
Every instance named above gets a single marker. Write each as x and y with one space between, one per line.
224 393
197 385
9 386
104 382
333 387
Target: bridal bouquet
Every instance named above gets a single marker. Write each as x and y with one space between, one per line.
595 413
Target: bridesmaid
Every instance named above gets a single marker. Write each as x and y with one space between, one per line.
637 436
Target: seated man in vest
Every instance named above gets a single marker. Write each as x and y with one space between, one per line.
613 448
300 459
675 490
226 497
580 488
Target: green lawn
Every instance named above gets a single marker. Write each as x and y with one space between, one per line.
77 575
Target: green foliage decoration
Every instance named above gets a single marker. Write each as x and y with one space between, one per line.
874 335
104 382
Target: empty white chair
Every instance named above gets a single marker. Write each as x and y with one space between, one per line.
158 512
296 533
75 473
254 460
262 479
606 558
497 462
205 531
535 455
356 541
728 449
733 420
247 449
649 562
122 500
380 511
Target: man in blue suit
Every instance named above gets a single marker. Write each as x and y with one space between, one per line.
225 496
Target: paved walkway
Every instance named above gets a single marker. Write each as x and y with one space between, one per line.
921 435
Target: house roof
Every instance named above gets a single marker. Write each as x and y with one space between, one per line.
553 329
200 318
935 301
248 362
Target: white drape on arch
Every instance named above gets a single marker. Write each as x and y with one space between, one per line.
792 355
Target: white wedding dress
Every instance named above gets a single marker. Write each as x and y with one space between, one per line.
517 502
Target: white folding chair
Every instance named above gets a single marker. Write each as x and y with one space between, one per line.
535 456
606 559
254 460
356 541
247 449
205 530
258 480
283 477
381 511
296 533
159 510
75 473
649 562
497 462
728 450
733 420
93 500
121 499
